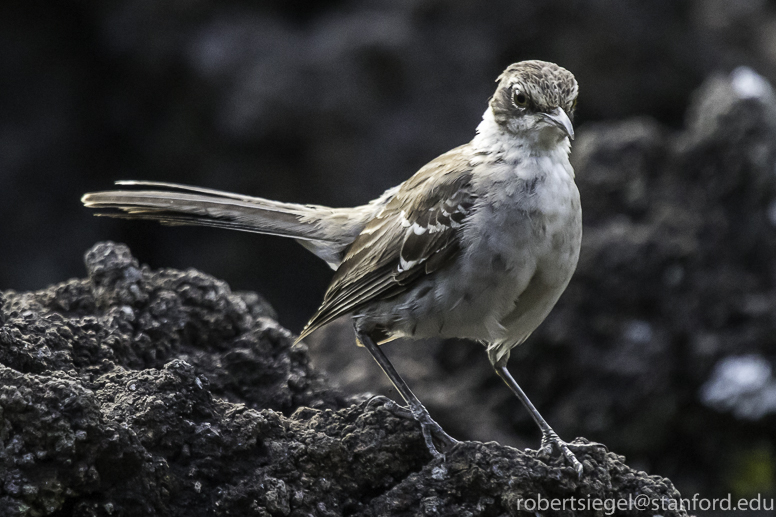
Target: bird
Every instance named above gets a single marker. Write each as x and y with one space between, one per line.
479 243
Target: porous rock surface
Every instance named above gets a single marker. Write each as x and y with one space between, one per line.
140 392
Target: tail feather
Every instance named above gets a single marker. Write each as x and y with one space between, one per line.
324 231
182 220
258 201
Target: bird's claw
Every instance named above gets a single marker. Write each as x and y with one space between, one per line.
551 442
585 447
431 430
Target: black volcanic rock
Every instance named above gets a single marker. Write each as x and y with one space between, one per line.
140 392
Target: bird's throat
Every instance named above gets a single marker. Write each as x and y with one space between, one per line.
512 145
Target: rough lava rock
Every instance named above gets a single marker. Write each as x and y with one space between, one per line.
140 392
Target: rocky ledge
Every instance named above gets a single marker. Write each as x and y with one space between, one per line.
140 392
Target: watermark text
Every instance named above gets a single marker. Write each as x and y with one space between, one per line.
644 502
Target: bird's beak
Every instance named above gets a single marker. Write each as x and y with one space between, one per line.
557 117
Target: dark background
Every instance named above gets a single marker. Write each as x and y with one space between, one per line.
332 102
327 102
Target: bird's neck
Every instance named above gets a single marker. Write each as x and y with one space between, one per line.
513 147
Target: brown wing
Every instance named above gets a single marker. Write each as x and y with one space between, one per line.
415 234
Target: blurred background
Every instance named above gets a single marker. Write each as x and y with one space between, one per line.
664 345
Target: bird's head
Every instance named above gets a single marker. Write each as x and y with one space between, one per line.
535 100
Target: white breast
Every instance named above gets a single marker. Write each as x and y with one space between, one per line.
519 248
529 217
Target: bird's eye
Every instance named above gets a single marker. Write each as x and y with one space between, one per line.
520 99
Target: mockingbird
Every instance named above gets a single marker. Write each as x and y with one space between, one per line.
479 243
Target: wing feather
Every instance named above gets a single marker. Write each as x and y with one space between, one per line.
415 234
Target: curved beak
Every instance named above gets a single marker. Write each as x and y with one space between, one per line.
557 117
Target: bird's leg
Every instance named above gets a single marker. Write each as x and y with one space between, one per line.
550 438
428 426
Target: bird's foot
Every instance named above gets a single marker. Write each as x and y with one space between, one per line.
431 430
551 442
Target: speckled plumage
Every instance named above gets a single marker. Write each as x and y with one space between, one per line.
547 85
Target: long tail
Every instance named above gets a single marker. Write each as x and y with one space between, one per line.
324 231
